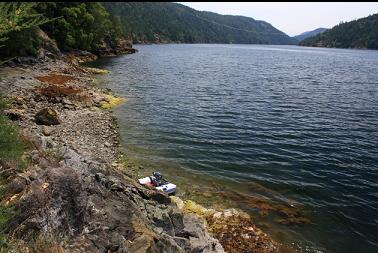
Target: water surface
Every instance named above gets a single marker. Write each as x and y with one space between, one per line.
295 125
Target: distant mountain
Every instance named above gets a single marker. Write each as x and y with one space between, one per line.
360 33
148 22
308 34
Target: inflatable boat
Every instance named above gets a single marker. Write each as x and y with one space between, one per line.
157 181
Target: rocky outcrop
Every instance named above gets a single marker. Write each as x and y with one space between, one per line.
48 48
80 56
94 207
123 46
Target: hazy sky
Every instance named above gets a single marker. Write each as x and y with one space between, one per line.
293 18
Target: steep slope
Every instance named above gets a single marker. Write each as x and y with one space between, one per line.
361 33
309 34
171 22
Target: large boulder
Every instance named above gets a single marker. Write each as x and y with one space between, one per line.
47 116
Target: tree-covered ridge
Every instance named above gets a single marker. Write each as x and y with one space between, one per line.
171 22
309 34
361 33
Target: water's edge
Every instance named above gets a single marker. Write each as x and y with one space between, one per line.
315 160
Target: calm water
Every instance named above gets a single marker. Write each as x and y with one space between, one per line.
300 123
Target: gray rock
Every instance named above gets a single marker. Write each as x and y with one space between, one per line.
160 220
47 131
199 238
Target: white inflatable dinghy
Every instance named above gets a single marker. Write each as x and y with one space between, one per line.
159 183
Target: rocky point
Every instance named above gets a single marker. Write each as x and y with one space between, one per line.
73 196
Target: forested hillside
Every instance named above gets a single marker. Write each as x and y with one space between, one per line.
361 33
171 22
309 34
96 27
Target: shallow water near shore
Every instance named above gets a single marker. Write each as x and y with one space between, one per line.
288 134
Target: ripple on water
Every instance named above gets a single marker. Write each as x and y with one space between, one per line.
266 125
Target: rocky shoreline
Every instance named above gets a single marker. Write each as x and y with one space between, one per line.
75 196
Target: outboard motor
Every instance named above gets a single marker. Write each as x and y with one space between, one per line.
157 175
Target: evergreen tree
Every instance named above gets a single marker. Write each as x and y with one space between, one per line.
18 22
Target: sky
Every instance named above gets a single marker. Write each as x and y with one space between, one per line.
292 18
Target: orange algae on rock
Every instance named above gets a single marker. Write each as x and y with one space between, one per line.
56 78
56 91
